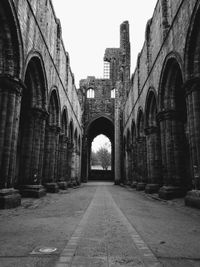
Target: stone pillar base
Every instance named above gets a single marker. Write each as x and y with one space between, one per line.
33 191
70 184
52 187
170 192
192 199
117 182
134 184
140 186
152 188
62 185
9 198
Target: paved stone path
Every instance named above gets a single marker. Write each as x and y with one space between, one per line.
105 238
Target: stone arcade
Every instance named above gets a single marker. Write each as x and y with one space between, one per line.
151 117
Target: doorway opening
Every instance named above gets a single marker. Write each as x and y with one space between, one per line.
101 153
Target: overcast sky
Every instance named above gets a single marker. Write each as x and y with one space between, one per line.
91 26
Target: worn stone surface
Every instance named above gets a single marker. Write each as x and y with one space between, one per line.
168 228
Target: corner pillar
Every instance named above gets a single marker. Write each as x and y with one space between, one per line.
154 163
10 103
172 149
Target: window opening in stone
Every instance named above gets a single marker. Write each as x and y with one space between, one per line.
90 93
106 70
113 93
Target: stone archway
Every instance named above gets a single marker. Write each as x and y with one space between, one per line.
50 167
100 125
173 127
152 131
62 173
192 85
141 152
33 116
10 98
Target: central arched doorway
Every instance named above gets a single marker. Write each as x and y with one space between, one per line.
99 126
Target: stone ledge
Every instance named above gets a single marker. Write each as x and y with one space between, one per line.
51 187
33 191
9 198
62 185
140 186
152 188
192 199
170 192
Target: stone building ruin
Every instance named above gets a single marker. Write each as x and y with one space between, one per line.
151 116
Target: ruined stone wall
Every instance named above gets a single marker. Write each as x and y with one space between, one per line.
102 104
179 15
41 33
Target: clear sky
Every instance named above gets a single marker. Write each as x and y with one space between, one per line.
91 26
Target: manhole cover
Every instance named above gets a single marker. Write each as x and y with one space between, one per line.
44 250
47 250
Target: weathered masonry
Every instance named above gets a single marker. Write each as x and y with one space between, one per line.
151 117
161 126
98 98
40 114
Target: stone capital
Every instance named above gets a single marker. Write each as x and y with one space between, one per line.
140 139
168 115
39 113
191 85
54 128
11 84
151 130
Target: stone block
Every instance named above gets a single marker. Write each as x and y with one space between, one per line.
140 186
170 192
9 198
192 199
62 185
32 191
134 184
52 187
152 188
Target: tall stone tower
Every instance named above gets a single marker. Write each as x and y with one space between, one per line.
125 55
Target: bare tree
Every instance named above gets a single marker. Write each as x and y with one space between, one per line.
104 157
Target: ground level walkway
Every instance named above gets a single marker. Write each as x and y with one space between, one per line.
100 224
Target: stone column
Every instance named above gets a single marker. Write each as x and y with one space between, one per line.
73 165
134 165
79 171
141 163
69 160
77 166
117 138
65 159
154 163
84 171
31 154
193 108
129 163
10 102
62 162
50 158
173 153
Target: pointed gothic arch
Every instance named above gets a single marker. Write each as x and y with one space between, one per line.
173 126
33 116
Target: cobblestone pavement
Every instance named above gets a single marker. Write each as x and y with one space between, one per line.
105 238
100 224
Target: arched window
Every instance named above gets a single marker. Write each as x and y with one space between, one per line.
90 93
113 93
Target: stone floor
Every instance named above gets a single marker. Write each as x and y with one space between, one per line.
99 224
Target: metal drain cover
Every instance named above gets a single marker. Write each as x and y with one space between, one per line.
44 250
47 250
